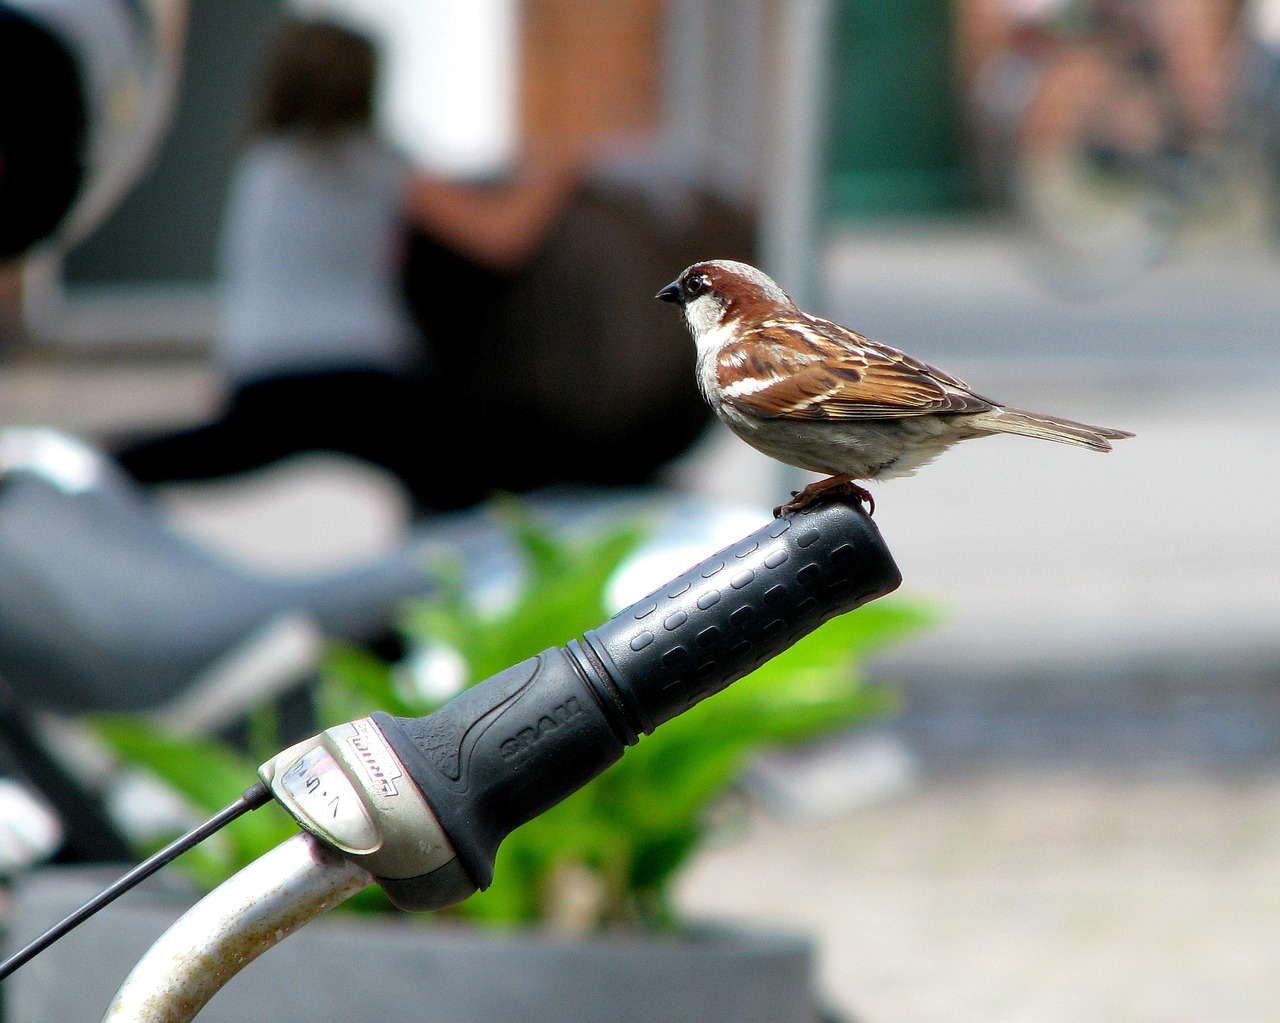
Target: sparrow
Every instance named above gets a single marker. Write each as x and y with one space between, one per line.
822 397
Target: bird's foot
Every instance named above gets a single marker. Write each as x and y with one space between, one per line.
831 488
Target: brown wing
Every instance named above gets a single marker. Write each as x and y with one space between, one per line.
816 369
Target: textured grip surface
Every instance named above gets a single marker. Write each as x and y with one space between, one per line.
732 612
505 750
521 741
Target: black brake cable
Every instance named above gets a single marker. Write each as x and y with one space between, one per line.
253 797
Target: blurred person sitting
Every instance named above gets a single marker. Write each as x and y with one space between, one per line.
314 344
509 342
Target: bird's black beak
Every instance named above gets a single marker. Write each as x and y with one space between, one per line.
671 293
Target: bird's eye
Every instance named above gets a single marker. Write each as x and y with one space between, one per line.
696 285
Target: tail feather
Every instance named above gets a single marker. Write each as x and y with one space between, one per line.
1064 431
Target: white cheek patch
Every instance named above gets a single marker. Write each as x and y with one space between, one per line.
704 317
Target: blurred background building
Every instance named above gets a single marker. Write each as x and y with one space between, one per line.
832 113
705 80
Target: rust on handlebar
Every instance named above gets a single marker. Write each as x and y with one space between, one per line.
256 909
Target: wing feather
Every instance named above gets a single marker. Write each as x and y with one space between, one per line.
816 369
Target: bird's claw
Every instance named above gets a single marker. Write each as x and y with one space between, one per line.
832 488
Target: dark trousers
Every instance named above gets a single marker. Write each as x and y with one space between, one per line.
372 415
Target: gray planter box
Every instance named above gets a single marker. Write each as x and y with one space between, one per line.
393 970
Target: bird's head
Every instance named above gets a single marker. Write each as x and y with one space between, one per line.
721 291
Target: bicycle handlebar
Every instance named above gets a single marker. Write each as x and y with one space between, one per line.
420 805
423 803
251 912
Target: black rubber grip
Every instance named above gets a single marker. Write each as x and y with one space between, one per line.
517 743
725 617
504 751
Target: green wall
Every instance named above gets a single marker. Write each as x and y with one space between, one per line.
894 110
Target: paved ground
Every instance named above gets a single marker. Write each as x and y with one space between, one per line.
1045 896
1077 817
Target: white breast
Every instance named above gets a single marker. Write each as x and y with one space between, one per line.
709 341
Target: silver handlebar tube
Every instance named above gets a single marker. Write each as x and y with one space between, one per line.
231 926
